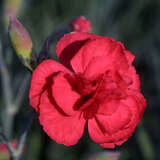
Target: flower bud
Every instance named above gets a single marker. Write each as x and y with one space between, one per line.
21 41
81 24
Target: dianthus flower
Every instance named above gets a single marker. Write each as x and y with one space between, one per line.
96 84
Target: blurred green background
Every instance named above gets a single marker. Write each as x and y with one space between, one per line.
136 23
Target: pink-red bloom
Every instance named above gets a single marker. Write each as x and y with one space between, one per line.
96 85
81 24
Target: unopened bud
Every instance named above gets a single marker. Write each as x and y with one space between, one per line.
21 41
81 24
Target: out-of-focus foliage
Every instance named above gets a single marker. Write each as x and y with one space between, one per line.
134 22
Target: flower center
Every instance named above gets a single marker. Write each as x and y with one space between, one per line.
98 91
88 90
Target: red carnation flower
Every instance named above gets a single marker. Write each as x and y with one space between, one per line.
81 24
96 85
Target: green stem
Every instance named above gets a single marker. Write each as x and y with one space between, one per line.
7 94
145 143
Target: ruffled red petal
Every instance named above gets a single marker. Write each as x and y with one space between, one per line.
64 94
99 56
91 50
108 145
130 57
117 128
39 80
140 101
70 44
112 145
65 130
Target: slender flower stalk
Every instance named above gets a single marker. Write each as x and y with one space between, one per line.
7 93
7 143
56 35
22 138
